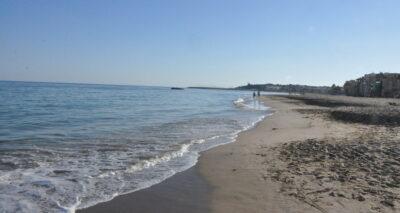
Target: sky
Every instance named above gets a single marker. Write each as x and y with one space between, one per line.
198 43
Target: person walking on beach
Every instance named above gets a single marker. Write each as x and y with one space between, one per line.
258 93
254 94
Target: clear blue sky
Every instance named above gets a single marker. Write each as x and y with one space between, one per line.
201 43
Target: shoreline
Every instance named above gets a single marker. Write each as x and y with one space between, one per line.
261 171
214 167
191 176
185 191
235 170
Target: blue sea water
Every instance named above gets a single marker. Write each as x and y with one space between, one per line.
70 146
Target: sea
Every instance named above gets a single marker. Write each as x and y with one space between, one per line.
65 147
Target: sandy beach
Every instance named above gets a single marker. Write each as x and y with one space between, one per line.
184 192
200 106
313 154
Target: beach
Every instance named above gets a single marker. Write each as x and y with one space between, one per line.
98 142
313 154
184 192
200 106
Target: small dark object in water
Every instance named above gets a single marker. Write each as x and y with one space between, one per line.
177 88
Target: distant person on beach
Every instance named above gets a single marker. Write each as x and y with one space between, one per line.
254 94
258 93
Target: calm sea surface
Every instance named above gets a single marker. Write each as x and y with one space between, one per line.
70 146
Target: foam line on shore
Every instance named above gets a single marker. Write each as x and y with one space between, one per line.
185 151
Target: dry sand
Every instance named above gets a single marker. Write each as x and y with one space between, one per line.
302 158
264 171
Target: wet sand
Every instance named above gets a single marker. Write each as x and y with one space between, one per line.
237 170
303 158
184 192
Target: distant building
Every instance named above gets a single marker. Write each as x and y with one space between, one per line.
290 88
374 85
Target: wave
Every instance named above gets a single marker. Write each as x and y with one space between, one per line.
238 101
190 151
83 174
250 103
160 159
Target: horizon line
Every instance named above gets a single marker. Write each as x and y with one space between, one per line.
144 85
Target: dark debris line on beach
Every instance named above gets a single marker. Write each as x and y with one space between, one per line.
388 116
364 167
325 102
383 112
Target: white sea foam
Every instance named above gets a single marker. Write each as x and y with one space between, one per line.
135 150
250 103
239 101
159 159
189 151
